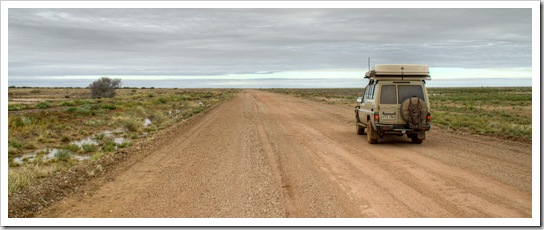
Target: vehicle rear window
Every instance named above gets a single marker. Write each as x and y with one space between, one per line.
407 91
388 95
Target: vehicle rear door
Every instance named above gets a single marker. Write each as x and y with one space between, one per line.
389 107
406 91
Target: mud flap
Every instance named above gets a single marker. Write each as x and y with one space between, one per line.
421 135
374 134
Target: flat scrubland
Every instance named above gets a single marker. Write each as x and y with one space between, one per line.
504 112
50 130
287 156
293 157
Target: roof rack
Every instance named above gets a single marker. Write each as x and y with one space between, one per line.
399 72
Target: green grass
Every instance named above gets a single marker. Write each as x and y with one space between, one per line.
43 105
72 147
505 112
15 144
63 155
67 103
109 106
89 148
16 107
109 146
125 144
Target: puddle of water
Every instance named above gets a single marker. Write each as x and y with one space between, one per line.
147 122
30 157
111 133
50 153
81 157
26 157
119 140
87 141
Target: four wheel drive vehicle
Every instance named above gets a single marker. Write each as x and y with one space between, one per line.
395 102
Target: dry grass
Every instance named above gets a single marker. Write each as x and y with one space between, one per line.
52 118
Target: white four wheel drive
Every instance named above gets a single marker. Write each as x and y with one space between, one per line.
395 102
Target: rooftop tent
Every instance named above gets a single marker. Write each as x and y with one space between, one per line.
399 71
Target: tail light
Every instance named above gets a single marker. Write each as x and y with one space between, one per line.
376 117
428 117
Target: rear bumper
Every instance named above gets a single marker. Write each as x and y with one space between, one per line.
400 129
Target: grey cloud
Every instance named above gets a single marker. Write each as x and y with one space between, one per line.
47 42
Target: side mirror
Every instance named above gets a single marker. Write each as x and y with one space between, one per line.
359 99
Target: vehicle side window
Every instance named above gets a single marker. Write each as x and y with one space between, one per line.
371 91
407 91
388 94
366 92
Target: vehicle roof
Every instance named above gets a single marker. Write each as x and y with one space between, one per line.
399 72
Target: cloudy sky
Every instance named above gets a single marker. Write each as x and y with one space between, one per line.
170 44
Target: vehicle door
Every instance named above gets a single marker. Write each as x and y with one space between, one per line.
367 105
406 91
389 105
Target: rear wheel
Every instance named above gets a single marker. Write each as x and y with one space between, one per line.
415 139
372 135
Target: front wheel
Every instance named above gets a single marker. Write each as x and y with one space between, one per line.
372 135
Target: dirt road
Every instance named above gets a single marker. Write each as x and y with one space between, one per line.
270 155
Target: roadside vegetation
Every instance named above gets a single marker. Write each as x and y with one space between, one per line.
51 130
501 112
104 87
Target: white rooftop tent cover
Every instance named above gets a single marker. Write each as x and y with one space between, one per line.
400 71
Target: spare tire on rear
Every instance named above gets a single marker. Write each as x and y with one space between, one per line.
414 111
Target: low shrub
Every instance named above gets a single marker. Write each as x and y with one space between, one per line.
72 147
125 144
89 148
109 106
43 105
65 139
16 107
67 103
71 110
99 136
162 100
18 121
29 146
108 146
63 155
131 125
15 144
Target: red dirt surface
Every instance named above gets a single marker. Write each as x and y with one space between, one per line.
262 154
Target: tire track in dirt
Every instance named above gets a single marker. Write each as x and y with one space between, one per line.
269 155
418 197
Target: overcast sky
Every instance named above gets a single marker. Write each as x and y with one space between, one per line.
238 43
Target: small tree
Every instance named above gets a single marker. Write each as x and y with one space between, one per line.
104 87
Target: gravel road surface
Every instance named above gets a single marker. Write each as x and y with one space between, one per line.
262 154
